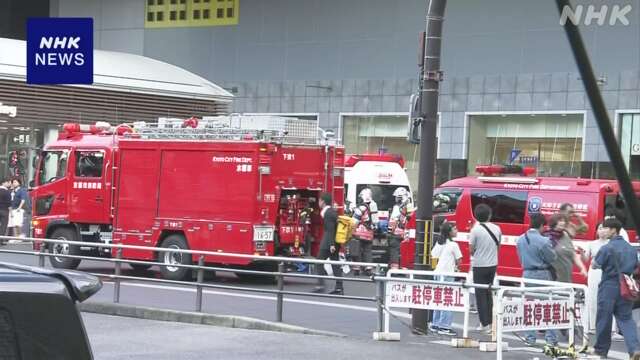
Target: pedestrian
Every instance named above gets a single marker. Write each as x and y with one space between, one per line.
536 255
5 208
484 243
397 224
612 213
575 224
563 246
366 217
615 258
594 275
20 204
328 247
448 254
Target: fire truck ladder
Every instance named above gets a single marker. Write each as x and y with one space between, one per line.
205 134
234 127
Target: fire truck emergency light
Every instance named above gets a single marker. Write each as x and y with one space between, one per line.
497 170
351 160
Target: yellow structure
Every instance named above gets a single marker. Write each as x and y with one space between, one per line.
191 13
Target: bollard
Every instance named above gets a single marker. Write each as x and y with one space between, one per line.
199 279
280 296
116 283
380 299
43 250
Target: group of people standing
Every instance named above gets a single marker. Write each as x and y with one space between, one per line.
551 256
546 252
365 215
15 208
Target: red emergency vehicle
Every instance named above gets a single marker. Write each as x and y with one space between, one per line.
512 199
193 187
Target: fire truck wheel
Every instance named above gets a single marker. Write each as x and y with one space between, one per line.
64 249
172 258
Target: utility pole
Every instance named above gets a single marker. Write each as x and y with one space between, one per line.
428 100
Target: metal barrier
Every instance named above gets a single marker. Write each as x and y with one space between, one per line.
201 268
583 296
395 289
427 294
536 308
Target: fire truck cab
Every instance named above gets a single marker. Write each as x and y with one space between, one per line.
512 199
193 186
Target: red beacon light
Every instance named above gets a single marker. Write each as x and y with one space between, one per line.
72 129
351 160
497 170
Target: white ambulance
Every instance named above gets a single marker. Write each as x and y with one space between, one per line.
382 173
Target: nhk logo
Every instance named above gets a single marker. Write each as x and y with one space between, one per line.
60 51
601 14
55 58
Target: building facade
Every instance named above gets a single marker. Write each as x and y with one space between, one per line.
510 80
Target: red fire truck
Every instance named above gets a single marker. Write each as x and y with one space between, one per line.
512 199
198 186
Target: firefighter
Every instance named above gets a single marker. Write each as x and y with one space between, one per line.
397 223
366 217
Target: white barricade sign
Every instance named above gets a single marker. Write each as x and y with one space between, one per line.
409 293
425 296
520 315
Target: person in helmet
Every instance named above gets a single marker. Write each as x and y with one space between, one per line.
366 216
397 223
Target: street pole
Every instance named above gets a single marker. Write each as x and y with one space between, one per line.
430 84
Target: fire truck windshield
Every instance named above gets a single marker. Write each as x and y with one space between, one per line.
53 166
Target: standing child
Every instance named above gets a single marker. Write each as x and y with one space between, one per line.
448 253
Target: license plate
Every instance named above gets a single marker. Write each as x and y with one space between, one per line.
263 233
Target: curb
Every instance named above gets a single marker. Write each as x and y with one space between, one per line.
238 322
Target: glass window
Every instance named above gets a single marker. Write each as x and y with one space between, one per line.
220 13
150 16
196 14
230 12
369 134
506 206
89 163
205 13
183 15
159 16
382 195
446 200
53 166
